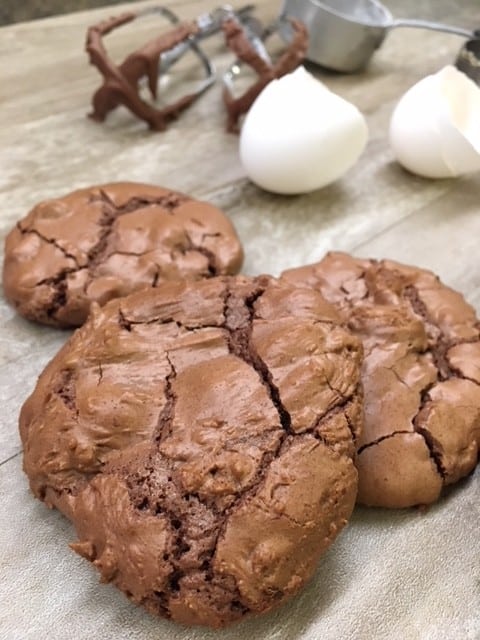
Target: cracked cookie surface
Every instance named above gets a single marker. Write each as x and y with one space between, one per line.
107 241
421 375
201 438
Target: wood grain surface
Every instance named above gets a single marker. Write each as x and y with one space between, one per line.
402 575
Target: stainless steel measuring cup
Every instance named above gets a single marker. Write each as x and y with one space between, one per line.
468 59
343 34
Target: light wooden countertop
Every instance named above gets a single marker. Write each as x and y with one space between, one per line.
399 574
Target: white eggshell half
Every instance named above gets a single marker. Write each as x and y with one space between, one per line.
435 127
299 136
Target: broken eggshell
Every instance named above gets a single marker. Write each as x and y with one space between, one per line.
435 127
299 136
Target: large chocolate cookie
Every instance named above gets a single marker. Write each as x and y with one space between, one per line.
421 375
105 242
200 436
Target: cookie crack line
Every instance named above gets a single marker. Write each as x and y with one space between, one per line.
60 287
382 438
441 347
456 373
442 362
433 449
58 282
212 267
417 304
127 324
351 428
162 431
346 292
334 390
167 414
170 201
431 444
111 212
337 408
397 376
65 389
51 241
181 548
240 345
100 374
156 275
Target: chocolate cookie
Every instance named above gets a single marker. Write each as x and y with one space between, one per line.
107 241
200 437
421 375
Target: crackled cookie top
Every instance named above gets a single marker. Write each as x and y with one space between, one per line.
200 436
421 375
107 241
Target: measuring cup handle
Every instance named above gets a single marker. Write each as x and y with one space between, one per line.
433 26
